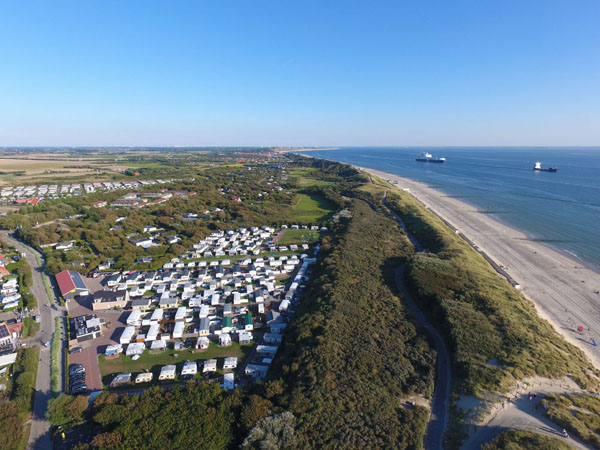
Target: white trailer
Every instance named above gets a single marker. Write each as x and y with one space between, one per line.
178 330
127 335
135 318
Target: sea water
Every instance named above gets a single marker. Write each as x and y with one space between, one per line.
559 209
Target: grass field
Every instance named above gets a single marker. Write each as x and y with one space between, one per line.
304 179
299 237
154 361
311 208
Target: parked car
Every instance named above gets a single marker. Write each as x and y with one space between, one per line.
80 390
76 350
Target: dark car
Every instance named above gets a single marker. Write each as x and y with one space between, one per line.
76 378
15 258
80 390
76 350
76 372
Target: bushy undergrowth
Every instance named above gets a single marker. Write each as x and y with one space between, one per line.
525 440
579 414
481 315
351 355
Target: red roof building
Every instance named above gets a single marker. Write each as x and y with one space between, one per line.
70 284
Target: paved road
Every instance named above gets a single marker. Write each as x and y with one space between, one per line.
441 395
39 435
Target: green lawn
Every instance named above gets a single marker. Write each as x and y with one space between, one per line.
299 237
153 362
304 179
30 327
311 208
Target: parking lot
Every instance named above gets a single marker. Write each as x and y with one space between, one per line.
94 347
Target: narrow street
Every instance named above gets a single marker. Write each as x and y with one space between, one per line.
39 435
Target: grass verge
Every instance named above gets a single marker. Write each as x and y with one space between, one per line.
30 327
55 358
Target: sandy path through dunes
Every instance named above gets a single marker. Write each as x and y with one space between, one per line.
561 288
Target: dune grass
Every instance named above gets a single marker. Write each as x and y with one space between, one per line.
481 315
519 439
579 414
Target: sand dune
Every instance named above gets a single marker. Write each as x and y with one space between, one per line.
561 288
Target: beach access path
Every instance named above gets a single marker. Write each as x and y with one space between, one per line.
562 289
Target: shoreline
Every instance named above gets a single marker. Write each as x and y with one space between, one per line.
560 287
292 150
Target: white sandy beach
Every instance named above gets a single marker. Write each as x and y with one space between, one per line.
561 288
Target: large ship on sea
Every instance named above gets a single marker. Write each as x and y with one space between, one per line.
428 157
538 167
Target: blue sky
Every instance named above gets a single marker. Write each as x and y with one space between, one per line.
300 73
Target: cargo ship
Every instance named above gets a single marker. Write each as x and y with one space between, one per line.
428 157
538 167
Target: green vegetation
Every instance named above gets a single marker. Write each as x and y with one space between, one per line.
351 355
67 411
55 357
481 315
30 327
199 416
299 237
525 440
579 414
311 208
15 411
153 361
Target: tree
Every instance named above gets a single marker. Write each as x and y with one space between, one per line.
66 410
256 409
10 424
272 433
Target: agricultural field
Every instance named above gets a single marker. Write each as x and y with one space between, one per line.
26 169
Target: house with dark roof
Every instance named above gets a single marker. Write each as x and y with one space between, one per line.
103 300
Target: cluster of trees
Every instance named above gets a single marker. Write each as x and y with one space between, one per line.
493 332
16 407
351 356
199 415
